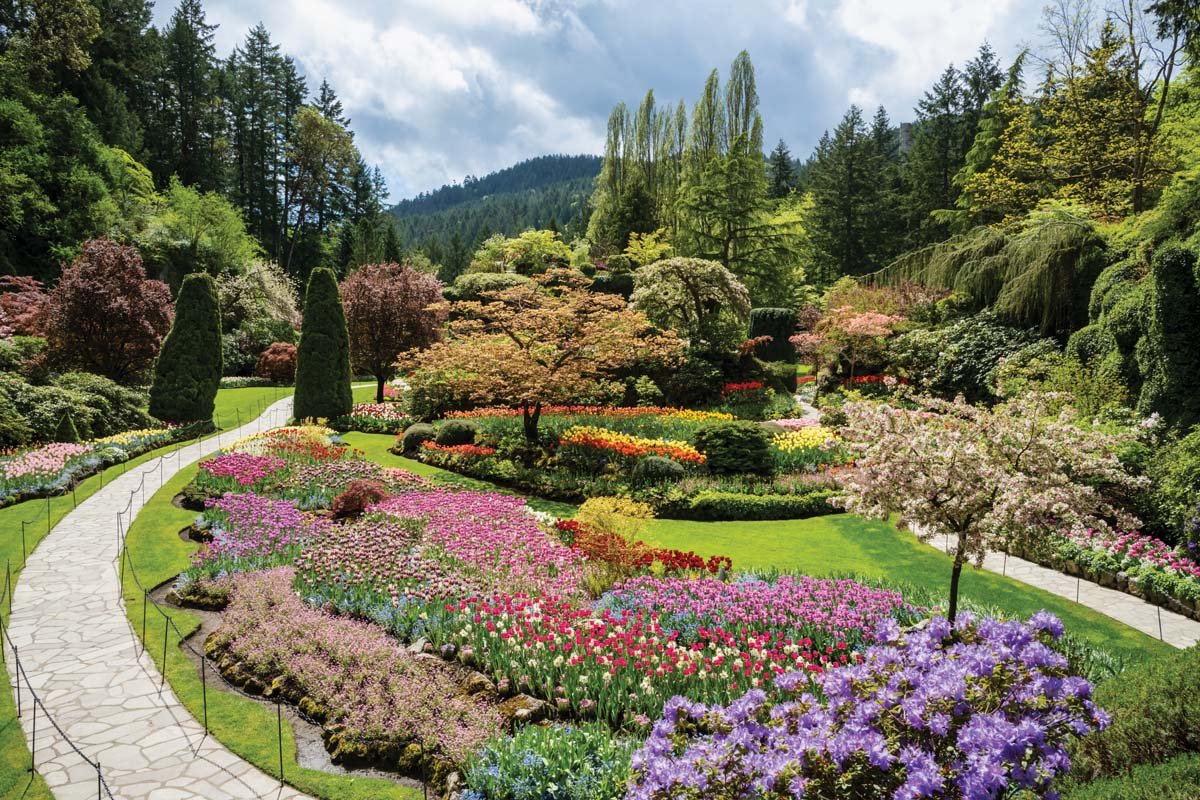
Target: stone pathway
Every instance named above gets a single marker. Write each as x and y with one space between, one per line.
82 659
1175 629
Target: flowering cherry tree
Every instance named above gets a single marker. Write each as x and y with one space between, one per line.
984 475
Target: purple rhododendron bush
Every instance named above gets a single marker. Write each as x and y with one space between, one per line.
977 711
377 702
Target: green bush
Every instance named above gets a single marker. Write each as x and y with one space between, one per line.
188 371
117 408
619 283
42 407
1175 473
1154 708
1177 779
416 435
472 285
66 432
779 324
656 469
20 353
715 506
697 382
323 357
455 432
783 376
734 447
14 430
1168 356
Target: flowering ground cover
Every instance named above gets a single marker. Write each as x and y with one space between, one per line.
596 448
387 417
808 448
651 422
976 715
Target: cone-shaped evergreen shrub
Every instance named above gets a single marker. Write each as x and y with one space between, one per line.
323 357
188 372
66 431
779 324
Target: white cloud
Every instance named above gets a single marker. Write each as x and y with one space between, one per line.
795 12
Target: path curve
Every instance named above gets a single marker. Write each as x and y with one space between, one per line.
81 657
1152 620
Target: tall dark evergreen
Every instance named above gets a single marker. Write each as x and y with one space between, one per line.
189 61
937 155
842 180
187 374
323 356
782 171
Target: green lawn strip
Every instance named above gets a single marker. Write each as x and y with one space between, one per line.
842 544
375 447
245 726
364 393
14 750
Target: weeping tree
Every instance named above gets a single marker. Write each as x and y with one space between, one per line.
1039 274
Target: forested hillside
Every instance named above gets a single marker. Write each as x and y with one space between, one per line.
543 192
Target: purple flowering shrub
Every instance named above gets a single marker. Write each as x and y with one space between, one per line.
976 712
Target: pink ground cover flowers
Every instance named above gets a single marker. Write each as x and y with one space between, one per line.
798 607
367 686
244 469
45 461
250 531
493 539
1135 549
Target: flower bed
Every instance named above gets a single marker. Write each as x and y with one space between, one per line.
919 717
807 449
625 557
464 450
377 703
52 468
645 421
374 418
585 445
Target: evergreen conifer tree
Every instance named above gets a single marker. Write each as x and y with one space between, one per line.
323 357
66 431
188 372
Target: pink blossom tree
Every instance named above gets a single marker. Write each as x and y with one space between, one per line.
860 333
988 476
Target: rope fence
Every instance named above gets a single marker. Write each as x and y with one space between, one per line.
24 686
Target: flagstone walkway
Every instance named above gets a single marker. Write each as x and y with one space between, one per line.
82 659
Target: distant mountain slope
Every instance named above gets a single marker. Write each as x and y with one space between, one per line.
532 193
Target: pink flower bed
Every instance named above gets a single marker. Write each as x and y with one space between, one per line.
386 411
1137 548
795 424
253 531
493 538
370 689
45 461
242 468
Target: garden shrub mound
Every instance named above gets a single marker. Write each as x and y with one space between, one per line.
1177 779
1155 708
415 436
377 703
456 432
734 447
656 469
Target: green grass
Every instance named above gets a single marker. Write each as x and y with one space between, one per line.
15 778
846 544
245 726
364 393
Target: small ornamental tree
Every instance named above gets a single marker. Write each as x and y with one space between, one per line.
860 334
24 306
105 315
66 430
323 357
277 363
547 341
988 476
701 300
188 372
390 308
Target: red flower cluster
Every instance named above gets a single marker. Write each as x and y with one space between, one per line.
744 386
879 379
469 450
806 379
630 556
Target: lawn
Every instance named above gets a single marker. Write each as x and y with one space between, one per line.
846 544
238 406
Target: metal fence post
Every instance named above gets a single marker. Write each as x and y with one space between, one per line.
279 731
17 661
166 635
8 573
74 499
33 743
23 552
145 604
204 689
99 782
47 515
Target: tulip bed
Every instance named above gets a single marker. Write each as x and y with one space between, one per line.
596 630
374 418
52 468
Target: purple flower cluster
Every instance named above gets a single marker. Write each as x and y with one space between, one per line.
974 713
250 531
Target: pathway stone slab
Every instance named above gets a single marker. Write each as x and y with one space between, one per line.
81 657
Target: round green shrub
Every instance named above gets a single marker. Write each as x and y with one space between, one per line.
735 447
188 371
656 469
455 432
416 435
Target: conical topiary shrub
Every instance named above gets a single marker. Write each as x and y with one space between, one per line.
66 430
187 374
323 357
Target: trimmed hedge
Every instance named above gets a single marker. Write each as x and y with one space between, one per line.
188 371
656 469
779 324
416 435
323 357
714 506
735 447
456 432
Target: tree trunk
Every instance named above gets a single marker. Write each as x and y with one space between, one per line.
954 576
379 382
531 417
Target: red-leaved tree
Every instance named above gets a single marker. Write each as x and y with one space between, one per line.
105 315
390 308
23 306
277 363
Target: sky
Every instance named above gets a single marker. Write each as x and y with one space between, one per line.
440 89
